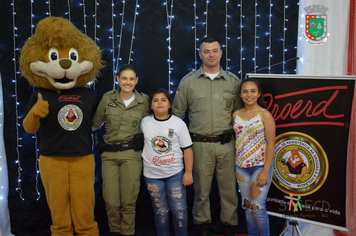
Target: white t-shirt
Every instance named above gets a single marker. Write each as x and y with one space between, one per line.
128 101
212 76
164 140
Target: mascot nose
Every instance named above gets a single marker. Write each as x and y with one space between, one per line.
65 63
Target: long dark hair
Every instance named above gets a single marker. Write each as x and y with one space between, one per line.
166 94
260 100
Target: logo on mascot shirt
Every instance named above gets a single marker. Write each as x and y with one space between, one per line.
70 117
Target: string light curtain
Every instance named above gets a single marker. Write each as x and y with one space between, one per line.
169 12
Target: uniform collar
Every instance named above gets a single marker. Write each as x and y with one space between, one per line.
138 96
222 74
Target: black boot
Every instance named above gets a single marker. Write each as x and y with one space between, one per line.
115 234
204 230
229 230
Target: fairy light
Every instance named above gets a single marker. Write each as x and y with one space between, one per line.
169 13
68 4
96 4
37 163
270 37
226 35
133 32
116 68
241 48
35 135
3 174
113 40
255 41
32 15
300 38
19 169
206 17
92 83
37 168
284 35
195 35
49 8
84 17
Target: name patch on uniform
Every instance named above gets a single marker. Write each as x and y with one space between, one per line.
228 91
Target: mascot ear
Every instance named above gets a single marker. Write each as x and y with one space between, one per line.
87 66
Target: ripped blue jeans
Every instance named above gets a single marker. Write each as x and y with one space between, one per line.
255 208
169 194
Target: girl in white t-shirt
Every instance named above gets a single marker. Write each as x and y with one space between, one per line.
168 162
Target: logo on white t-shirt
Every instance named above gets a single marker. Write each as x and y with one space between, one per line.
170 133
161 144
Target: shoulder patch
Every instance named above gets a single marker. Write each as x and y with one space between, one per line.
233 75
110 92
189 74
144 95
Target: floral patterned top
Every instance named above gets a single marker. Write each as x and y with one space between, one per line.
250 141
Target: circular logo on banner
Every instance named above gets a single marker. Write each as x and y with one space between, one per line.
70 117
300 164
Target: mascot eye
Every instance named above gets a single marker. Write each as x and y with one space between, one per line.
53 54
73 54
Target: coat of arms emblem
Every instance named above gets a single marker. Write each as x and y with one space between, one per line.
316 24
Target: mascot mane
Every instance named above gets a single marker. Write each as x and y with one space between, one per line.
59 33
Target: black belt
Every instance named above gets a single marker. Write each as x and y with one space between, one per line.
136 144
119 147
209 139
223 138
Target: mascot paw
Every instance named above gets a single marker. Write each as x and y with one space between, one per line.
40 109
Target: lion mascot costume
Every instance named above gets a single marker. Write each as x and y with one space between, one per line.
60 60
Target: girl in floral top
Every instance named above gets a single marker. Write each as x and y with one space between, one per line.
255 142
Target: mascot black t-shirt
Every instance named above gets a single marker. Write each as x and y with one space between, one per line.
66 130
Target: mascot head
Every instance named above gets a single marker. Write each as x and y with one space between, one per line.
59 57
